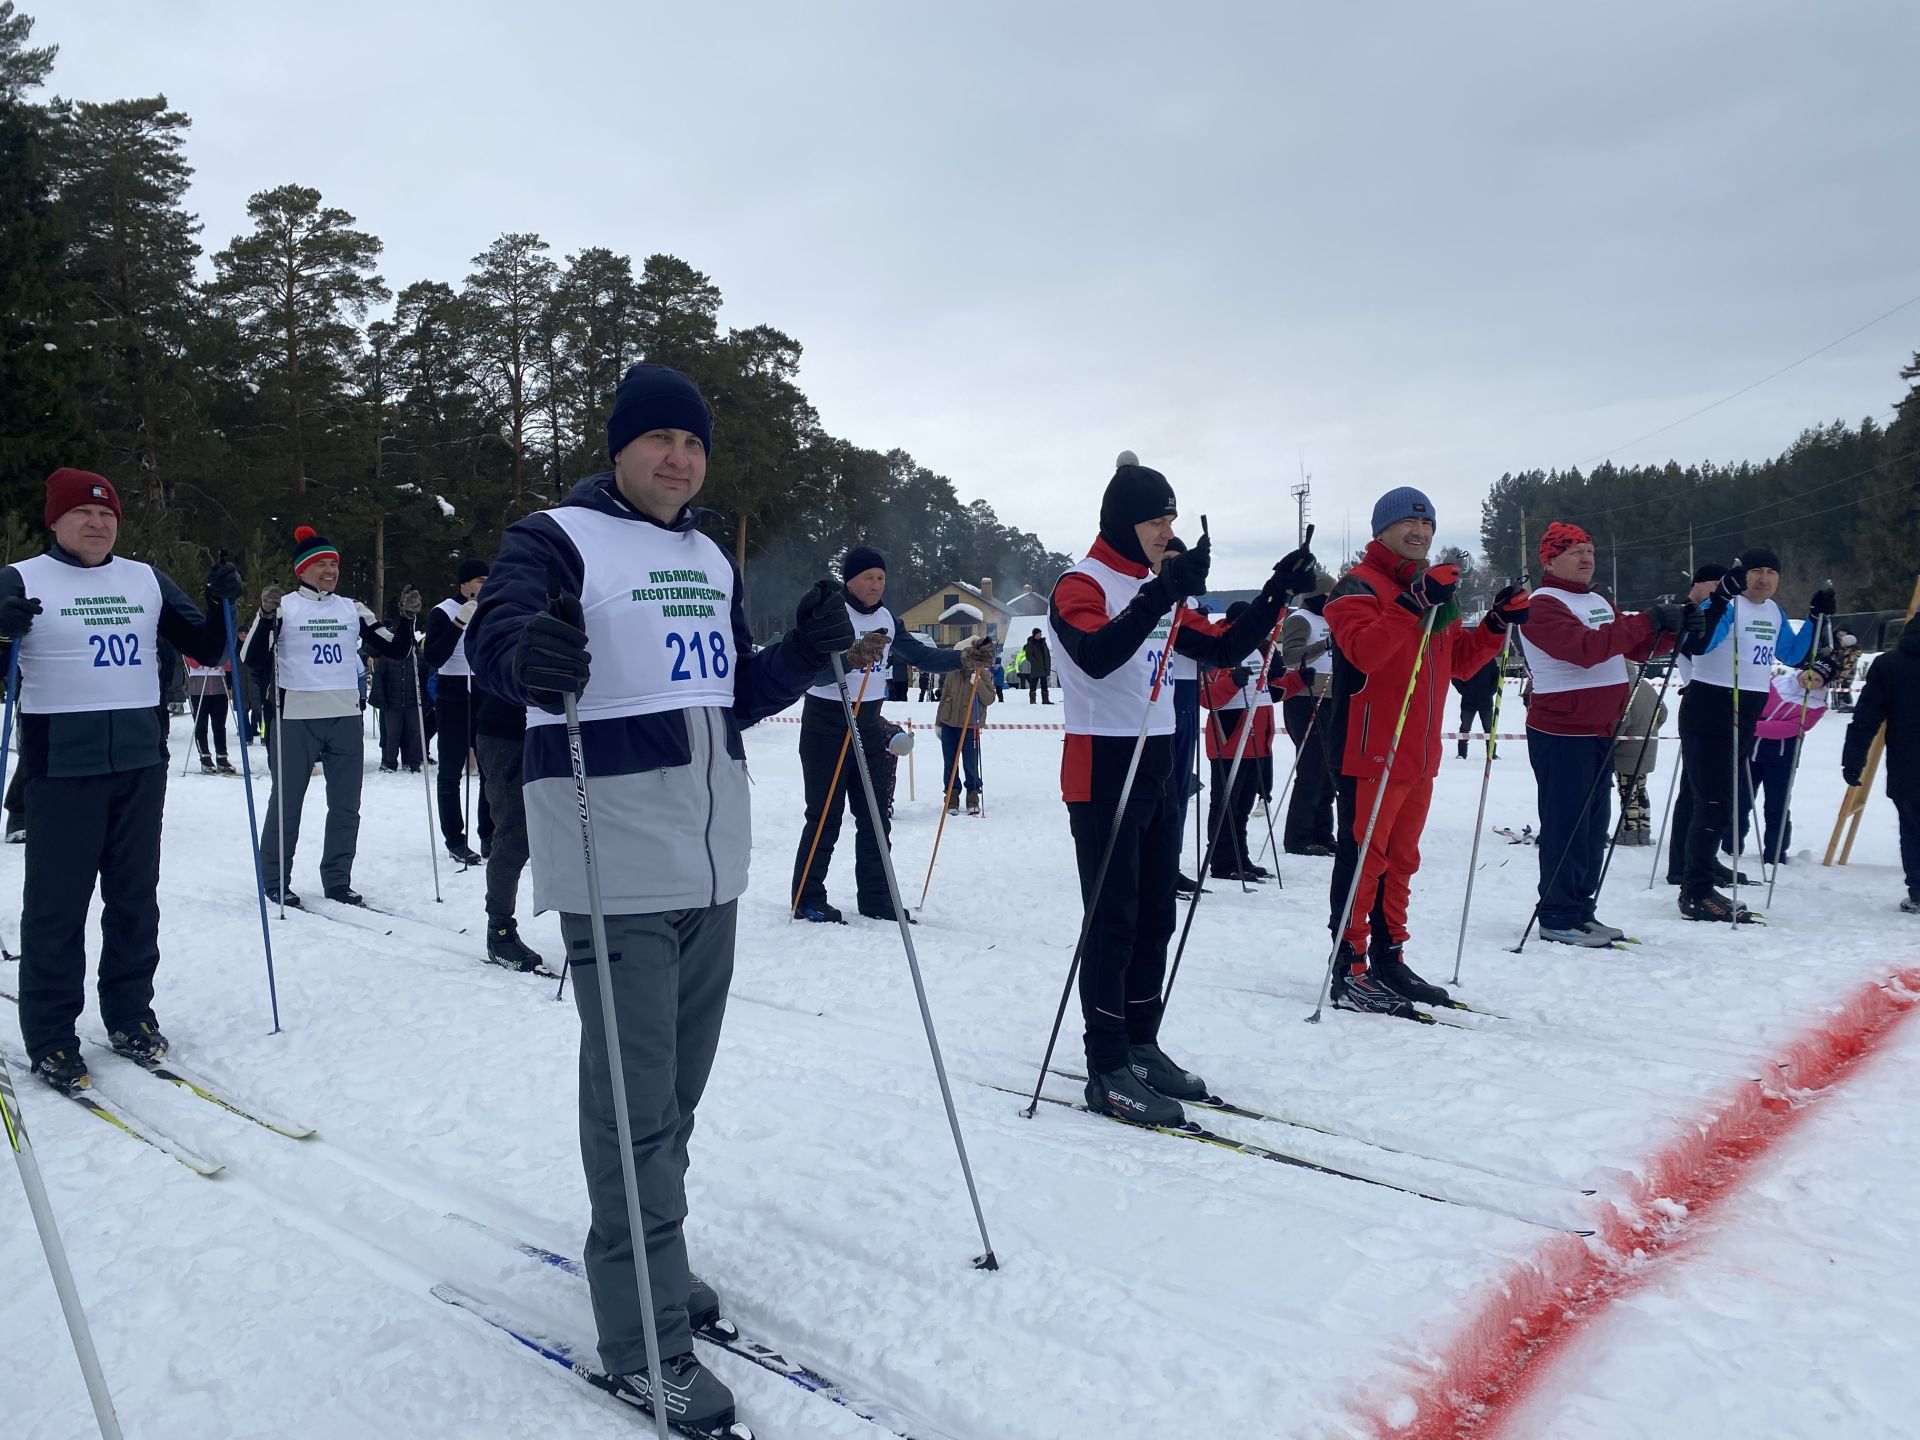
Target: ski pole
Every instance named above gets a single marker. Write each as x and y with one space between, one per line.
1213 842
979 747
1480 814
1639 764
1373 817
1306 736
1736 818
1793 774
1673 788
832 801
1222 800
15 1125
616 1072
253 823
946 802
1106 859
6 732
426 781
987 1259
279 766
193 738
1271 804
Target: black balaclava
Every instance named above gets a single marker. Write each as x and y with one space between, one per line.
1135 494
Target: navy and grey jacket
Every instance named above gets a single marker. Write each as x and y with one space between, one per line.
670 796
106 742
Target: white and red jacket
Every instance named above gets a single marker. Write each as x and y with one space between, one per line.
1110 626
1577 650
1229 703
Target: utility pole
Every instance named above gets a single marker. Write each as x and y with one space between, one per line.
1614 546
1300 494
1522 546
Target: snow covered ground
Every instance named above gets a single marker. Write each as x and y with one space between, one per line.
1151 1287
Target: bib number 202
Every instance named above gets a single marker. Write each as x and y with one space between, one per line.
706 654
111 650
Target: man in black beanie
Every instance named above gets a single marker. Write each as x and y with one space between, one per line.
1111 619
823 738
453 706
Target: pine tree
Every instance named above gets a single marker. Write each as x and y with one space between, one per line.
508 293
290 287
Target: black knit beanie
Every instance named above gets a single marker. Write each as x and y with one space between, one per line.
475 569
1759 557
1135 494
1709 571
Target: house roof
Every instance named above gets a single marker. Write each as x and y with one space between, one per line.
962 611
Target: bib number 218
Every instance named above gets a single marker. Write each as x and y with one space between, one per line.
706 654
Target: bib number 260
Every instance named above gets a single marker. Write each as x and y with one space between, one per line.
706 654
111 650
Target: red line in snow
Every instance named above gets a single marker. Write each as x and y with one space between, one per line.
1528 1316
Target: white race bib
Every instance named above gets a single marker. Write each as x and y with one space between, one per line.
1753 632
317 647
880 619
456 663
92 646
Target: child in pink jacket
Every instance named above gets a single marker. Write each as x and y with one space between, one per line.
1795 705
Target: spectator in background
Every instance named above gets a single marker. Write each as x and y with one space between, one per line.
1476 703
1039 669
963 690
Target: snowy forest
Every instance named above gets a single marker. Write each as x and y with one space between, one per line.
232 391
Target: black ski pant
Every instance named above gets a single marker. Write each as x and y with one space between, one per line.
1708 786
1227 813
16 801
1310 807
501 761
670 972
212 717
399 737
1474 712
1125 960
1770 767
1574 778
88 826
1186 743
823 727
453 712
1037 688
1906 801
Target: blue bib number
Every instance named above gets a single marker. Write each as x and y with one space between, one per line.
116 649
705 654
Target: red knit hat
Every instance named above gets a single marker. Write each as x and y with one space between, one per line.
69 489
1561 536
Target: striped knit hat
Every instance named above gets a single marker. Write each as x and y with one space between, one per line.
308 546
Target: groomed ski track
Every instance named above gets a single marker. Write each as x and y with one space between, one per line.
291 1298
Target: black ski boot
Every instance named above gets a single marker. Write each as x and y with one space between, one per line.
507 949
141 1042
696 1398
286 897
347 895
463 853
1355 989
1153 1069
1185 885
703 1304
225 766
882 909
1710 904
207 767
64 1070
1911 905
1390 968
820 913
1120 1094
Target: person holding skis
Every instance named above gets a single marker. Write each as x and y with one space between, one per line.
85 625
1305 646
1398 642
305 645
1890 697
453 708
616 596
1737 638
823 735
1110 617
1577 647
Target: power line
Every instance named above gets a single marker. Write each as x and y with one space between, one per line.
1739 518
1724 399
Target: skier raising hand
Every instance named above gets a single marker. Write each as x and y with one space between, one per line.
1110 617
1398 643
93 746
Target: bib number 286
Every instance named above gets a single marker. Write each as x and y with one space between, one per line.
111 650
705 654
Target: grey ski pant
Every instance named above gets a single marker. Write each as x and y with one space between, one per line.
670 974
337 746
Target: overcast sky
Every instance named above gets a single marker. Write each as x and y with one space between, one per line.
1417 244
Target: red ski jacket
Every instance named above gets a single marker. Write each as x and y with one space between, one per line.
1375 645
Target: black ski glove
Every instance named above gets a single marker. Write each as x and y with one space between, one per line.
550 658
1734 582
1296 574
16 615
1431 588
1823 601
1307 676
821 622
1182 575
1511 606
1850 774
1242 677
1667 619
224 583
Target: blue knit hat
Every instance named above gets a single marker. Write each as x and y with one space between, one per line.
1406 503
656 397
858 559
